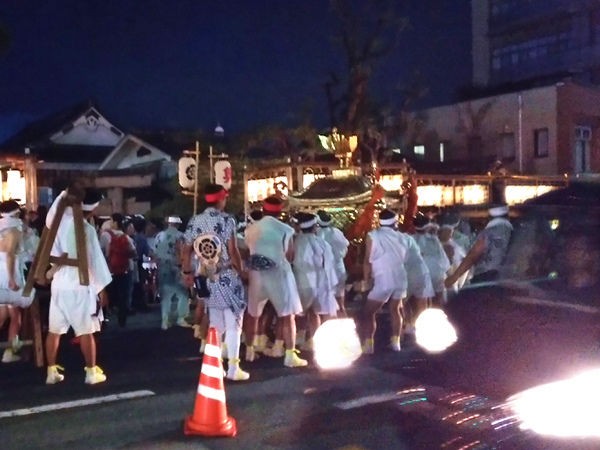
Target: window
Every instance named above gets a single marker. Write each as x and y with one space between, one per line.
419 150
143 151
442 151
507 146
583 137
540 139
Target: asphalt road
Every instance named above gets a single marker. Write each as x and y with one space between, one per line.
388 400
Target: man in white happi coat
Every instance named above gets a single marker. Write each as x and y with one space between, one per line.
315 273
455 252
270 278
420 289
71 304
339 245
487 254
12 278
433 254
384 264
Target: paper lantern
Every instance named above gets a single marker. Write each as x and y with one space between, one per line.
187 172
223 173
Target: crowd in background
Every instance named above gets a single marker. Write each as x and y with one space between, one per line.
268 284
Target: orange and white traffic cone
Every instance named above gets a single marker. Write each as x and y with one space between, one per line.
210 412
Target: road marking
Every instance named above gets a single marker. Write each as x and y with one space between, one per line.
556 304
409 395
75 404
368 400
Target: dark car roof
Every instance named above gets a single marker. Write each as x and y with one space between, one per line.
578 194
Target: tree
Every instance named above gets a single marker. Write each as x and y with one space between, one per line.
368 31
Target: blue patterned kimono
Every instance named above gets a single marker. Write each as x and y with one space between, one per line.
227 292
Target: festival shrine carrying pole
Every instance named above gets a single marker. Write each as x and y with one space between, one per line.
196 177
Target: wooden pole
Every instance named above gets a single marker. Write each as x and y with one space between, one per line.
210 159
42 254
82 258
246 200
197 180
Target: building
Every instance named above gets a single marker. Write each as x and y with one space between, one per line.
81 143
535 41
18 179
551 130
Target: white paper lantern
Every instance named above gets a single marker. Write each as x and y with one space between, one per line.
223 173
187 172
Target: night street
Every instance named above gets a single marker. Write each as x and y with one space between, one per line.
370 406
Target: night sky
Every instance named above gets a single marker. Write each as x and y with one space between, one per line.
193 63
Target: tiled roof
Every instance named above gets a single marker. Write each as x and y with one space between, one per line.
37 134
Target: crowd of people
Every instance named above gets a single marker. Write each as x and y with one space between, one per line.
265 282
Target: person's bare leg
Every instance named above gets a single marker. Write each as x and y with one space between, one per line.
313 322
52 342
3 315
396 318
341 301
288 331
369 313
88 349
15 323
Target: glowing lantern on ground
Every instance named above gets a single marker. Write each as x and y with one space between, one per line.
336 344
433 331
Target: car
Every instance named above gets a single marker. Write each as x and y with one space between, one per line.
540 321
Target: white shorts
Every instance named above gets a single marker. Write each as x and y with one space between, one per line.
308 297
277 286
74 308
326 303
382 292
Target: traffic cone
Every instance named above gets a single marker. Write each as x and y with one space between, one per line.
210 412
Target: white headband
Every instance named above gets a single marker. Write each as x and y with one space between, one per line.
91 207
422 228
311 223
173 219
498 211
12 213
324 223
390 221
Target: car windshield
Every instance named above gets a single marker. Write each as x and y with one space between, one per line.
555 246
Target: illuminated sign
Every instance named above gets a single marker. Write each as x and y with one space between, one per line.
263 187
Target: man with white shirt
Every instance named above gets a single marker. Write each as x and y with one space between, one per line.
71 304
489 250
315 274
384 264
270 278
433 254
339 245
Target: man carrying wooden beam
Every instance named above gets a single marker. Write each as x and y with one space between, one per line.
75 303
12 278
